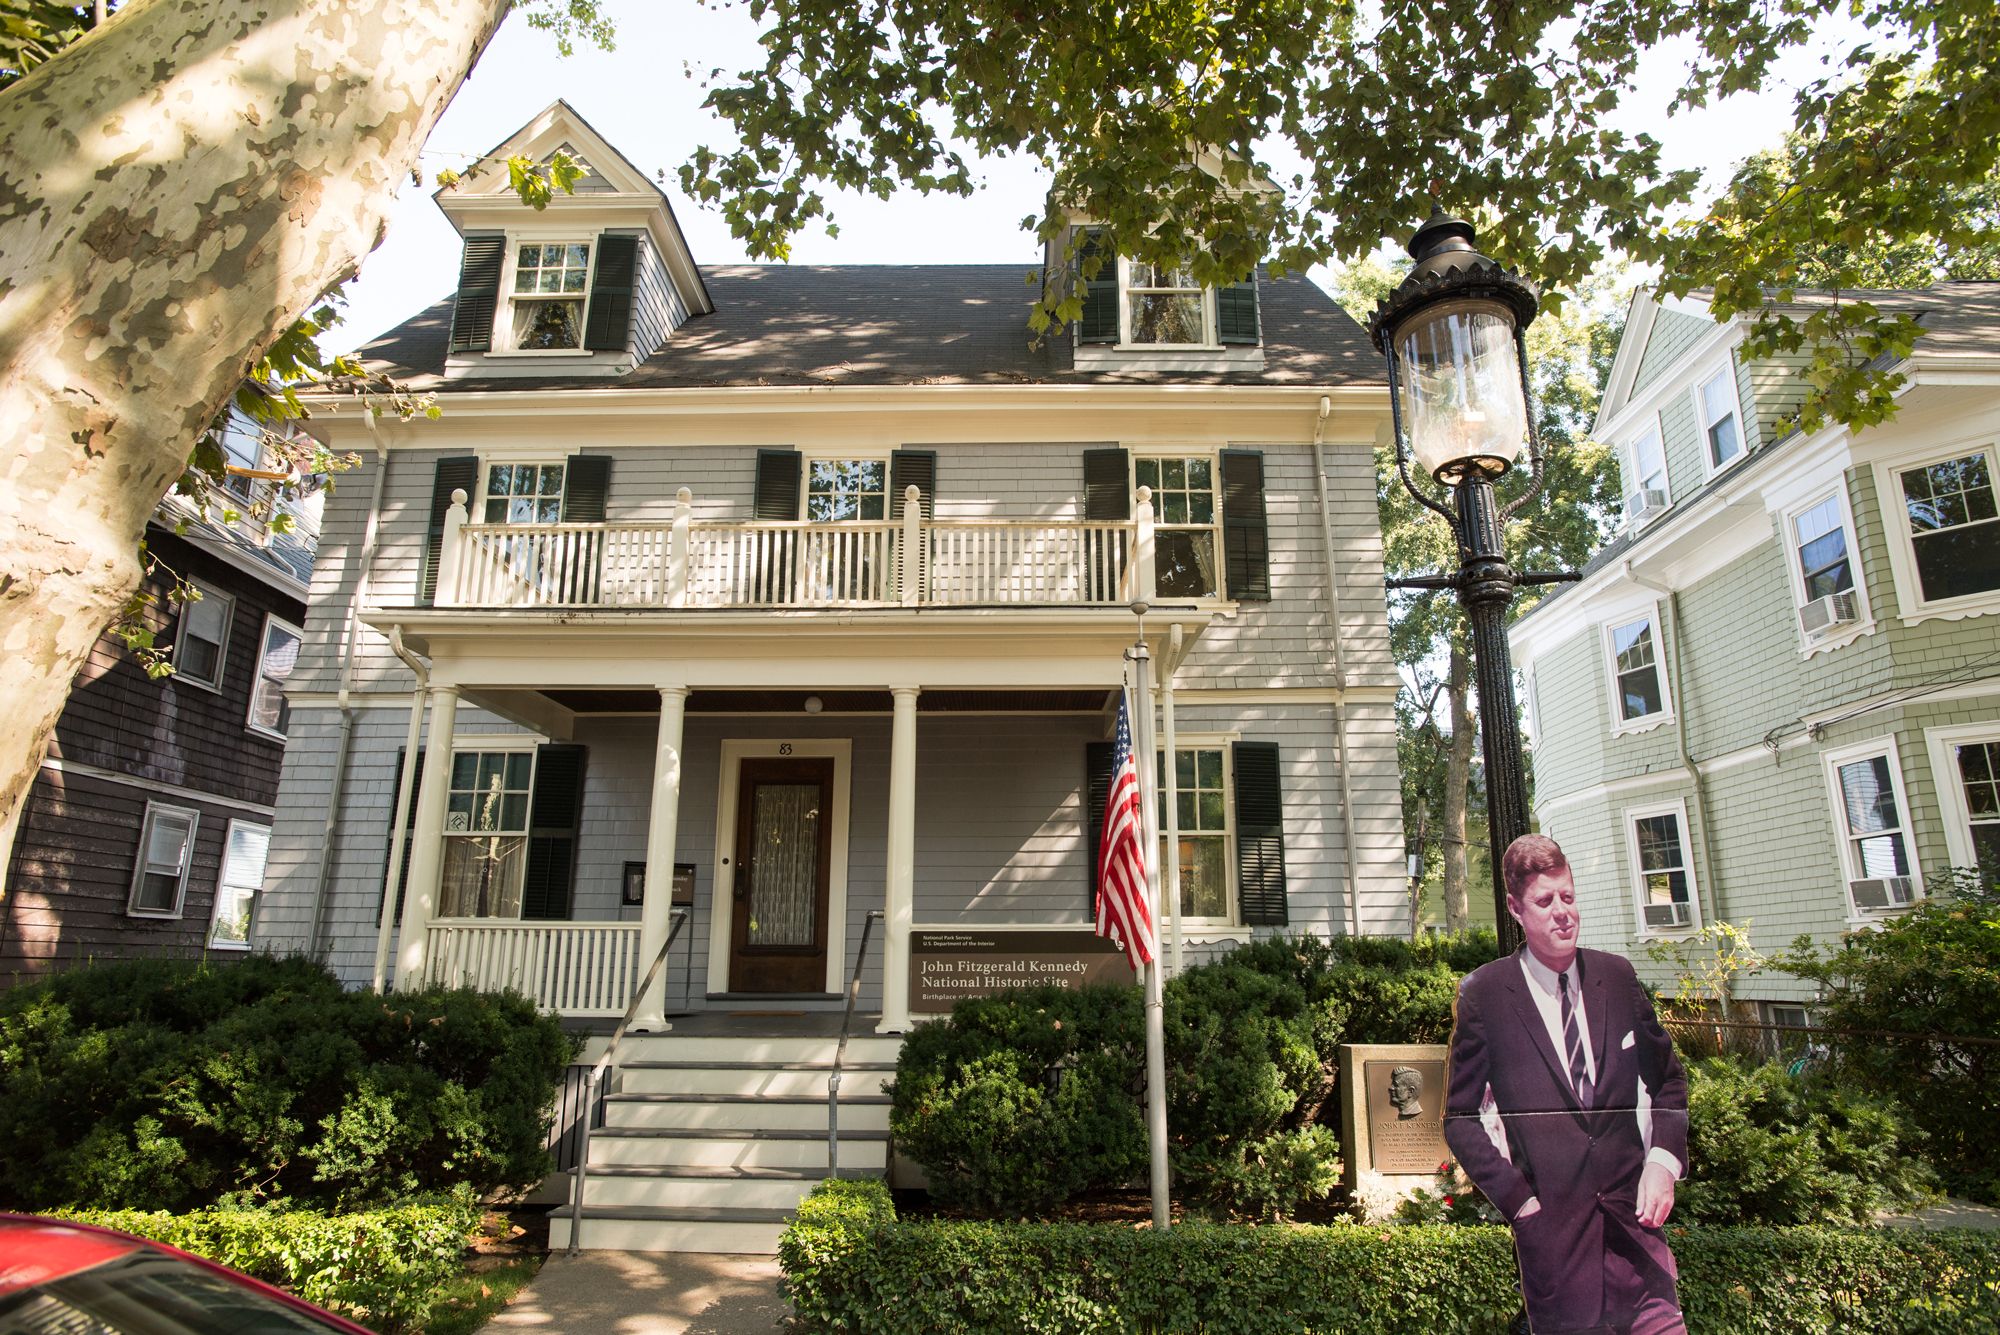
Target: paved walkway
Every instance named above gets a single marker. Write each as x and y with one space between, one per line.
648 1293
1950 1213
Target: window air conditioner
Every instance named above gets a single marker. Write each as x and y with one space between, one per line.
1882 893
1643 502
1821 615
1667 916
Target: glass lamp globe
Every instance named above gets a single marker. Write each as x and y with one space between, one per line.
1461 383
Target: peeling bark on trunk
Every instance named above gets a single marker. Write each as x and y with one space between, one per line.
1457 775
175 190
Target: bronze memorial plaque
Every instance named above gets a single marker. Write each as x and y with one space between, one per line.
1405 1116
945 966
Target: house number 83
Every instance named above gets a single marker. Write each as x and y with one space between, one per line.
784 748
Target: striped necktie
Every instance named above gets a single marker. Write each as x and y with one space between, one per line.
1579 1069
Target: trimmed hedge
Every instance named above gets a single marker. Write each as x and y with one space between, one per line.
383 1267
851 1267
157 1085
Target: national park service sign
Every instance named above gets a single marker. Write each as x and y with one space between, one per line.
945 966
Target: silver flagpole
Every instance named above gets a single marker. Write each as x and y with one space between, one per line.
1146 761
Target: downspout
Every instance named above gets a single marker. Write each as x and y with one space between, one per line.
1339 666
1170 663
405 794
325 869
1711 913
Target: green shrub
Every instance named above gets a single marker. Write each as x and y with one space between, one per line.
158 1085
1769 1147
850 1267
384 1267
1021 1102
1933 970
1252 1059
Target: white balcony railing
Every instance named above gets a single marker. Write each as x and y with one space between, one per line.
570 968
908 562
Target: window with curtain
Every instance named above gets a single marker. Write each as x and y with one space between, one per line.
486 834
1185 516
1636 671
1203 807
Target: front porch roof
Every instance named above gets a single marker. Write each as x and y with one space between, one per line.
863 649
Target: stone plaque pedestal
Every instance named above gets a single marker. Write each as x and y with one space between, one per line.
1392 1119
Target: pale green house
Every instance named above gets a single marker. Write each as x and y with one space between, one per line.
1774 699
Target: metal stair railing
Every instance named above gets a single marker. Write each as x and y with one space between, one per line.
608 1061
840 1052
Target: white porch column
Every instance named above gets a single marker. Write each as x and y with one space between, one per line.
420 895
900 908
662 832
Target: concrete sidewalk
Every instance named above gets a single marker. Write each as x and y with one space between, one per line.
648 1293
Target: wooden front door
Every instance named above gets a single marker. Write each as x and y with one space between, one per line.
784 860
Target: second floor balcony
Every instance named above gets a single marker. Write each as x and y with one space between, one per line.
908 562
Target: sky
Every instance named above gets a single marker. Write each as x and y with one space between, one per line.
640 98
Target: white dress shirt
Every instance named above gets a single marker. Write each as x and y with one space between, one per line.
1547 993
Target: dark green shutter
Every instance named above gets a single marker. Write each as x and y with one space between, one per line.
1099 321
458 473
553 818
608 327
1260 836
1107 484
1096 792
1246 541
778 474
586 488
402 873
1236 311
478 292
907 467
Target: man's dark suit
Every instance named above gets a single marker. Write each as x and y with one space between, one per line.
1582 1164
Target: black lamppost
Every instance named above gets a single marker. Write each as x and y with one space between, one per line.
1455 336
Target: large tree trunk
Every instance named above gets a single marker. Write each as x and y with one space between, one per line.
1457 778
175 190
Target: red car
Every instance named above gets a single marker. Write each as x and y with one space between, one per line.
59 1278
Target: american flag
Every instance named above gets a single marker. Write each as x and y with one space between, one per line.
1124 906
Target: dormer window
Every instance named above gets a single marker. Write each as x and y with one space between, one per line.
1163 305
551 283
1155 306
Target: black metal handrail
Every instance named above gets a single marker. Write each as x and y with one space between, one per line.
840 1052
679 919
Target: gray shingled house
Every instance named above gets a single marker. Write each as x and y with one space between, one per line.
776 597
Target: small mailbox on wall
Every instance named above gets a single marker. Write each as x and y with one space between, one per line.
635 883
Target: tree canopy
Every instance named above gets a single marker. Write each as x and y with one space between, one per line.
1489 106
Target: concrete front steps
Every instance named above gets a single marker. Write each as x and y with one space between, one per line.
710 1142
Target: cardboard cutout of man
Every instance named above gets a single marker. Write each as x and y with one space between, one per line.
1567 1107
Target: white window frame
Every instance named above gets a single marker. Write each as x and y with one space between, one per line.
1620 725
1830 763
228 604
826 454
1656 432
512 743
257 677
487 465
1728 370
1864 618
1211 334
1232 899
139 866
1214 526
1894 510
222 884
502 342
1950 787
1631 816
